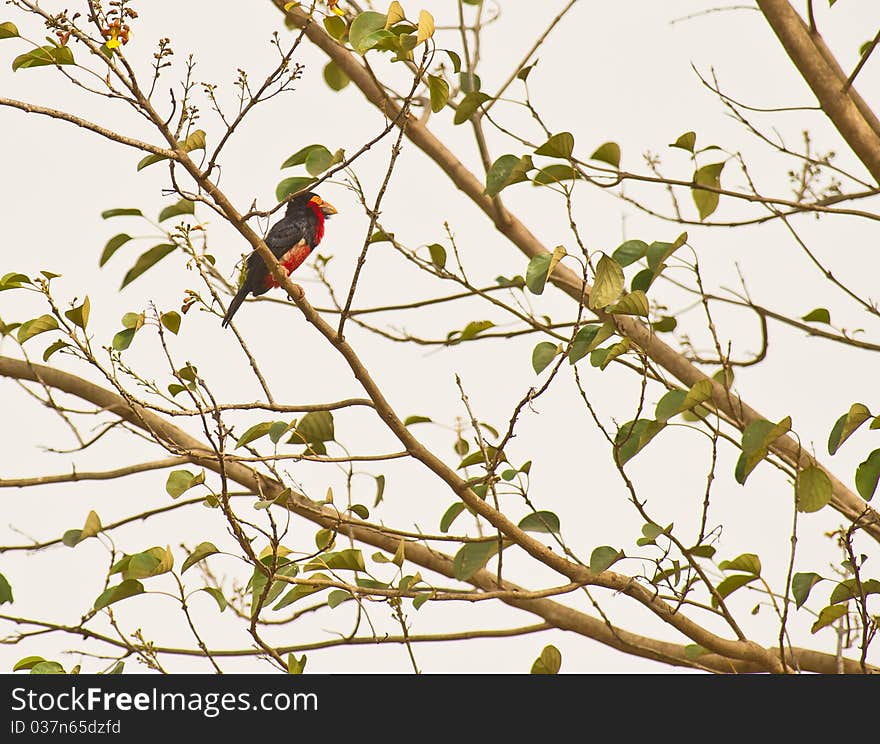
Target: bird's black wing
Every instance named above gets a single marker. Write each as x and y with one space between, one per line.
284 235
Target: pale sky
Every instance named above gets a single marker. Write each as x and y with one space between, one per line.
611 71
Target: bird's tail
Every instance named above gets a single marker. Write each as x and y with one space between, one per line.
234 305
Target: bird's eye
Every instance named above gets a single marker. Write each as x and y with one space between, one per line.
316 200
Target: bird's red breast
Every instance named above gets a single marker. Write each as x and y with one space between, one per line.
292 260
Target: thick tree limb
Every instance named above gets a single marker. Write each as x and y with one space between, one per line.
744 657
853 118
843 500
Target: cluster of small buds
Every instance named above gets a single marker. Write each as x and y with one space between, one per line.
190 299
165 50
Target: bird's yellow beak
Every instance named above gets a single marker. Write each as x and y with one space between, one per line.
326 207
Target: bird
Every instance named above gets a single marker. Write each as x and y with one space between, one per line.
291 240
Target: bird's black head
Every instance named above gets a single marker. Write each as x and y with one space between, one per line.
309 201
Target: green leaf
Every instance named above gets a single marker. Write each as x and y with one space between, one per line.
294 665
217 595
79 315
506 171
666 324
558 146
380 490
643 280
747 562
335 27
659 251
537 272
540 521
8 30
350 559
801 586
5 590
410 420
318 160
171 320
420 599
184 206
292 185
814 489
687 141
702 551
299 591
450 515
867 475
543 354
301 156
362 27
756 440
603 557
635 303
146 261
827 616
846 425
587 339
474 329
472 556
607 284
255 432
439 90
694 651
202 551
608 153
633 436
730 585
180 481
13 280
523 74
335 76
676 401
36 326
555 174
468 106
47 667
314 428
819 315
438 255
116 242
128 588
41 56
337 597
549 662
122 212
850 589
630 251
707 201
195 141
28 662
122 340
610 354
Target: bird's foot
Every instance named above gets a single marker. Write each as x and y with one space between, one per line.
298 293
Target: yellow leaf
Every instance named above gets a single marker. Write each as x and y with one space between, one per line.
112 43
426 27
92 526
395 14
267 551
558 254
